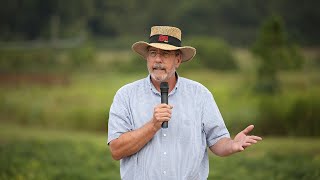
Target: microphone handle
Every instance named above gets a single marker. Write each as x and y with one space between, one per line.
164 99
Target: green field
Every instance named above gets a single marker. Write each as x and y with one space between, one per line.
62 62
58 130
34 153
84 103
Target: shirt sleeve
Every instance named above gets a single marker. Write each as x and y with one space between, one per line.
119 117
213 124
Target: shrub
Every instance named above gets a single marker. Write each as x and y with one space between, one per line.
294 116
272 116
17 60
275 53
136 64
303 119
82 55
213 53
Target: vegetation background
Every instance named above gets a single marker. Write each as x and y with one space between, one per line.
61 63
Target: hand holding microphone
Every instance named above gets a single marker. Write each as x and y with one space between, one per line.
164 88
162 112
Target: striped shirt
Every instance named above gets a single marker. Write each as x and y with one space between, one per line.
178 152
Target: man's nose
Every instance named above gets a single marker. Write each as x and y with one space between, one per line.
158 57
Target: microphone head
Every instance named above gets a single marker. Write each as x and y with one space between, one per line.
164 86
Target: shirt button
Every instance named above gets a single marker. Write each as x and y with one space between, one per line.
164 153
164 135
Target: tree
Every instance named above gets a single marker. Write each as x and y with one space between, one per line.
275 53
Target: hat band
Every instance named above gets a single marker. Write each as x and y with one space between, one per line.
159 38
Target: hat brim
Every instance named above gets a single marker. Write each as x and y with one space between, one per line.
141 48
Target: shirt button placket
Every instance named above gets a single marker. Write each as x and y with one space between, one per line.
164 152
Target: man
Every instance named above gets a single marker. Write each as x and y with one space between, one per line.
178 152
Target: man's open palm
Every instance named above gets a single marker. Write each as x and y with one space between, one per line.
242 140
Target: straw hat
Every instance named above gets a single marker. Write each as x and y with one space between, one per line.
165 38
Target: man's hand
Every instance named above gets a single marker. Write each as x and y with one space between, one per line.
132 141
227 146
242 140
161 113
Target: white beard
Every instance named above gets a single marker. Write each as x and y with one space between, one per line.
164 77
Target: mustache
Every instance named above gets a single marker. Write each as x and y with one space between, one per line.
158 66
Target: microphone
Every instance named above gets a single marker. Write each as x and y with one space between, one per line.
164 88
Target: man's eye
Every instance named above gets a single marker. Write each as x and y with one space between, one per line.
166 54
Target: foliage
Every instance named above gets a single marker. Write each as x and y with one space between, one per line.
82 56
15 60
285 115
136 64
46 59
273 47
274 165
80 98
235 21
303 119
213 53
275 54
273 112
56 159
24 20
83 103
31 153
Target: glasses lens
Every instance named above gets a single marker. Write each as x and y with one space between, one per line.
165 54
152 53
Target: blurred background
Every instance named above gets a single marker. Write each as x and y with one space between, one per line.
61 63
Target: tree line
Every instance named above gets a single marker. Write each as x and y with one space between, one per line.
235 21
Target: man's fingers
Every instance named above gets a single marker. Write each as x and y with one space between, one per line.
163 110
257 138
165 106
248 129
160 111
163 115
245 145
251 141
164 119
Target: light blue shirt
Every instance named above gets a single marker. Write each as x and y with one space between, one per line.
178 152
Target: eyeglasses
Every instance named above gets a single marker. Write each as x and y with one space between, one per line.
165 54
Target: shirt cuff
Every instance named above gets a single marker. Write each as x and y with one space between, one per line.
215 140
113 137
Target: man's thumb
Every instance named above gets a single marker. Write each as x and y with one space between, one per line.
248 129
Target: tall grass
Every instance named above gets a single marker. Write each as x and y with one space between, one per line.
31 153
83 102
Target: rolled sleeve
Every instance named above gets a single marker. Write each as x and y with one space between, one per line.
119 117
213 124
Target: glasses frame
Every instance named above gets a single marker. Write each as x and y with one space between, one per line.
162 53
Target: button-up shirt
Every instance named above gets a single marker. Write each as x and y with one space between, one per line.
178 152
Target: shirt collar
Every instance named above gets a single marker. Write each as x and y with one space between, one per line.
155 91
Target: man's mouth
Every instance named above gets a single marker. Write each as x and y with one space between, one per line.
158 69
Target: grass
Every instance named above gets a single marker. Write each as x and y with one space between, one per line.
58 131
34 153
273 158
31 153
84 103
